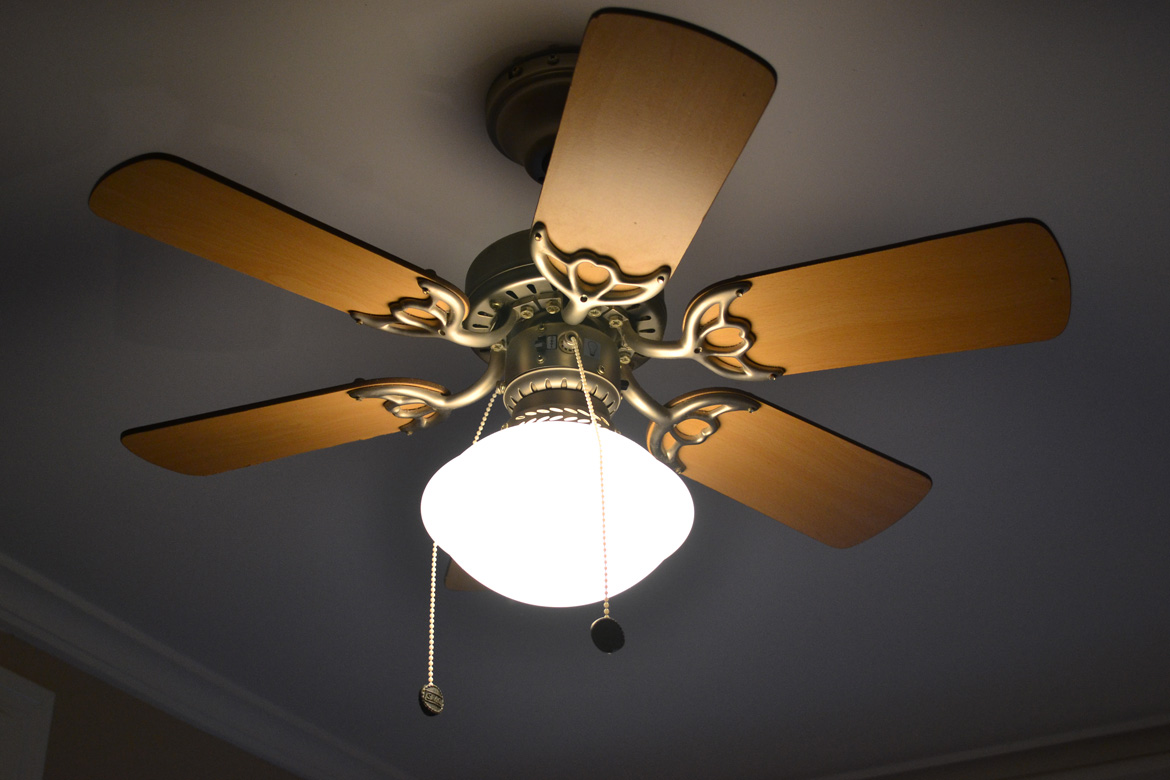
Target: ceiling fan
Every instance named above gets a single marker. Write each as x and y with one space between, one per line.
632 137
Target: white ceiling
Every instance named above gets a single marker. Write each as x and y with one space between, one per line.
1023 601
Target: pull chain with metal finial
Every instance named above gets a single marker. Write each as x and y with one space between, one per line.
430 698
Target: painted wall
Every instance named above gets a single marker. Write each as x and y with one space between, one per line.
102 733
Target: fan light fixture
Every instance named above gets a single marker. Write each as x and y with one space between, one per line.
533 533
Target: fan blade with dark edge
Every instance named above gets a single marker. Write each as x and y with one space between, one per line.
195 210
458 579
656 116
807 477
247 435
987 287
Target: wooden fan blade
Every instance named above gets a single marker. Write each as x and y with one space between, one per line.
656 116
807 477
247 435
989 287
458 579
195 210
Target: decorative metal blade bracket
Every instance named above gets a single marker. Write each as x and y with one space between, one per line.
441 314
704 405
616 290
426 408
731 361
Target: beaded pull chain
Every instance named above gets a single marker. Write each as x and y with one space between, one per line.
605 631
430 698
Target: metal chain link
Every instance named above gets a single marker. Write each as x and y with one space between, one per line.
431 629
435 557
574 343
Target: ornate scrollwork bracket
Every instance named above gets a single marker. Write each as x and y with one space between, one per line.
441 314
425 407
616 289
704 406
699 324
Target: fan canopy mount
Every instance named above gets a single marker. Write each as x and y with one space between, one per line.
524 107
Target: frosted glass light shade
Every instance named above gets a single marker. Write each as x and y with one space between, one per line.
520 512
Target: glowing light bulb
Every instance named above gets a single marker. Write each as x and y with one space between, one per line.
520 511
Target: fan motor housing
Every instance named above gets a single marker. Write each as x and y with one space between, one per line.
503 277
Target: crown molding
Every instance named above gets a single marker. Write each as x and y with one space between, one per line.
41 612
1135 750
